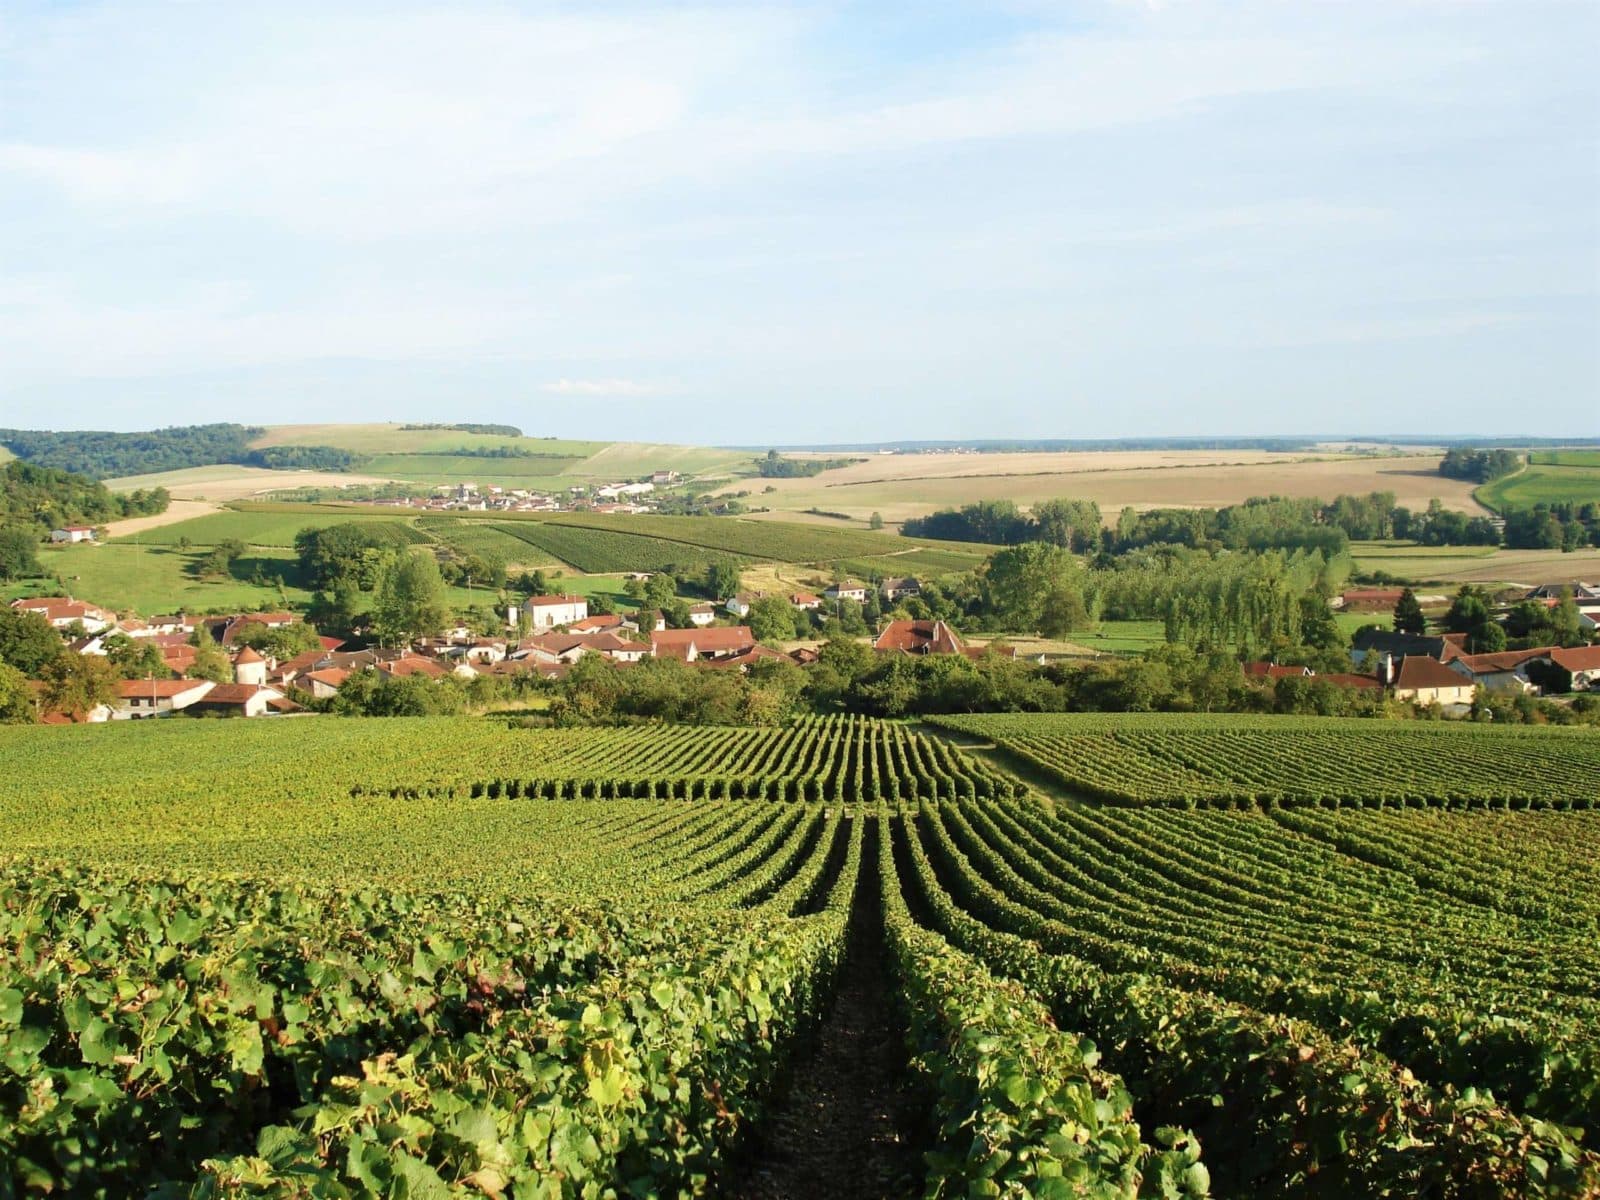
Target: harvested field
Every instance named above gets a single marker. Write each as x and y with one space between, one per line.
901 486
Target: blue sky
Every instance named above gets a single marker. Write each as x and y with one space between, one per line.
804 222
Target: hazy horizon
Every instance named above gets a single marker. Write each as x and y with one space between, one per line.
804 223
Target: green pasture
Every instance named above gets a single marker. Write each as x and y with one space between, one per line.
1543 484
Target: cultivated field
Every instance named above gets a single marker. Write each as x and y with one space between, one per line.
908 485
1476 564
299 957
1576 480
228 482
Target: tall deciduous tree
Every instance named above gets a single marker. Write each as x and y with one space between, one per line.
411 599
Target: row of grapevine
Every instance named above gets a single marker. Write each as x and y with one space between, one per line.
230 1034
1197 760
1278 1103
1024 1109
1451 993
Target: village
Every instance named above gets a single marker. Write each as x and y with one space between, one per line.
548 634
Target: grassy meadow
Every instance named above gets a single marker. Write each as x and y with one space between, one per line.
1575 479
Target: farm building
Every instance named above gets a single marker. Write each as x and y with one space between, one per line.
696 645
549 612
1424 680
70 535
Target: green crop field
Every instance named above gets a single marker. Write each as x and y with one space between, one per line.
299 957
147 579
1566 458
265 527
1543 484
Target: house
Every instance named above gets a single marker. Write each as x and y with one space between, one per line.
805 601
1551 592
141 698
663 478
237 700
739 605
846 589
1266 670
323 684
172 623
1424 680
569 647
695 645
1502 671
893 589
603 623
1582 663
549 612
804 655
63 611
701 615
1375 644
743 662
70 535
919 637
415 664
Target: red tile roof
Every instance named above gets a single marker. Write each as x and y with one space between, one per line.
333 677
1351 681
919 637
1265 670
1420 671
158 689
542 601
1501 660
248 655
1577 658
596 623
232 693
733 639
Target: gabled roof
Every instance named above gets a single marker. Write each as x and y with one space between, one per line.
1501 660
1266 670
798 598
1577 658
158 689
236 693
333 677
1400 645
919 637
596 623
548 601
676 643
414 664
1420 671
1351 681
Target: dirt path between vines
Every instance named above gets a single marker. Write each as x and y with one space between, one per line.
847 1128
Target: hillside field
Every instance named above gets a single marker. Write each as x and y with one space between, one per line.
899 486
1283 958
1551 477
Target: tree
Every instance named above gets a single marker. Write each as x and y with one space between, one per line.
1467 611
75 683
27 641
411 599
209 660
1072 524
19 556
875 521
771 619
1486 637
284 641
1408 616
135 658
1063 611
723 577
661 589
222 557
16 701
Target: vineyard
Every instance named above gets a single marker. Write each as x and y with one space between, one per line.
1232 760
432 957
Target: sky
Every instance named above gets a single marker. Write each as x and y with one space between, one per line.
746 223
